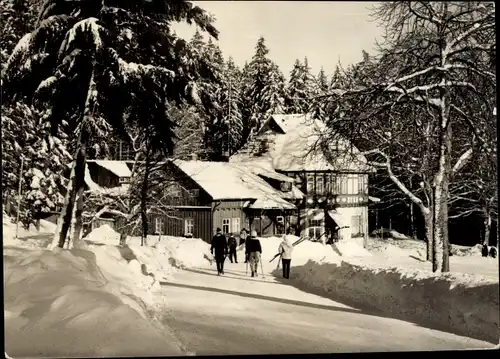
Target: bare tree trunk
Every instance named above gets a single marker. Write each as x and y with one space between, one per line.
487 227
441 261
429 233
144 199
77 234
76 178
446 238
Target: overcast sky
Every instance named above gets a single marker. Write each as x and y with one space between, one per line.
323 31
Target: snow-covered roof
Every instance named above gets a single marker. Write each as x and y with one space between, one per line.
288 122
119 168
224 180
297 149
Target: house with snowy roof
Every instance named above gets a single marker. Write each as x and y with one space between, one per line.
207 195
333 176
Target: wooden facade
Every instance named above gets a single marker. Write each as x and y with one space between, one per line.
102 176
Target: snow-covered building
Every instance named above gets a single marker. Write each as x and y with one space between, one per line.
207 195
333 176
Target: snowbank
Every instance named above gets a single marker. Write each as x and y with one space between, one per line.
180 252
103 235
466 304
28 238
75 303
351 248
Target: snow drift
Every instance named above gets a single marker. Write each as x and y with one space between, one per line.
179 252
62 304
464 304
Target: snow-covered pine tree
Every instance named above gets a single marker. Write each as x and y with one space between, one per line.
118 62
246 106
301 88
339 79
263 87
209 108
229 129
17 18
322 85
26 136
295 89
273 95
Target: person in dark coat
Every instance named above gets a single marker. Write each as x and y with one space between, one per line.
231 242
493 252
243 237
219 248
484 251
254 251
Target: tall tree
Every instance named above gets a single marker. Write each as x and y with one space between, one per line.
301 87
264 88
17 18
119 62
322 85
421 90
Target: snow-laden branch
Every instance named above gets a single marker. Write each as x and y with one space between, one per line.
132 69
461 162
476 27
392 176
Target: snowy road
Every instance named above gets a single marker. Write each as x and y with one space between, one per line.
236 314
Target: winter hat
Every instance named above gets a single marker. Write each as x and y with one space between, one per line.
253 233
218 229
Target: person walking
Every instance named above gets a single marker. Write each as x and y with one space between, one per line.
286 249
254 252
243 237
231 242
219 246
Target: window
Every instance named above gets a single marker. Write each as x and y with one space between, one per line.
159 225
335 184
194 192
352 184
280 219
314 230
286 186
235 225
124 179
188 226
343 185
175 190
361 185
328 184
310 184
356 225
225 225
319 184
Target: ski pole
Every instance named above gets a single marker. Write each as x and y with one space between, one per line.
262 268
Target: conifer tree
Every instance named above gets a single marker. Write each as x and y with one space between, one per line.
118 62
264 89
322 85
301 88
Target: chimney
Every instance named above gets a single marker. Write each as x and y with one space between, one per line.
194 157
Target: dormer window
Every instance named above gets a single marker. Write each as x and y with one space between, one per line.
286 186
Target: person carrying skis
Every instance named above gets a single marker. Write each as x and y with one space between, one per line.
231 242
285 249
219 246
254 251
